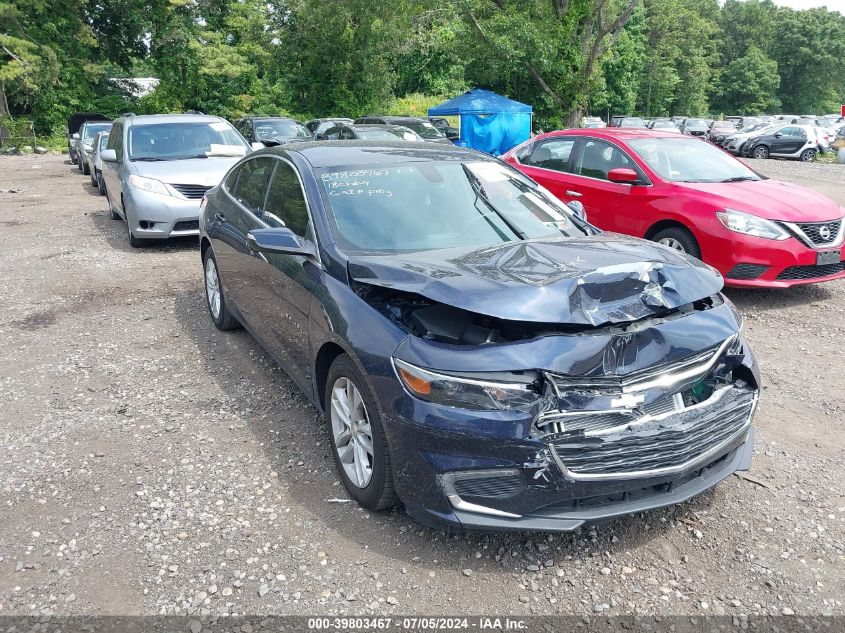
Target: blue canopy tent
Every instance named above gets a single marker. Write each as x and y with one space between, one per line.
489 122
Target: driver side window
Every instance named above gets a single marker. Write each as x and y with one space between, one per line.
286 201
599 157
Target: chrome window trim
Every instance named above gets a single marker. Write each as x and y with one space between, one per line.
799 233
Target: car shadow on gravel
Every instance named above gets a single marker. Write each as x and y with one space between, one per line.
293 436
114 233
747 299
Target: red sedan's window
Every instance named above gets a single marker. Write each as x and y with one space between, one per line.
599 157
551 154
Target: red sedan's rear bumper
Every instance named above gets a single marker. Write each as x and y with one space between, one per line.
760 263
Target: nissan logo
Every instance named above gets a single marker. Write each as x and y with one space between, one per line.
824 233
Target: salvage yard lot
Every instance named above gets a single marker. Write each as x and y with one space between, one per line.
152 464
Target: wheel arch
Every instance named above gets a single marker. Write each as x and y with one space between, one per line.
326 355
205 244
655 228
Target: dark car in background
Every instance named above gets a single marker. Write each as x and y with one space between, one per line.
445 127
272 130
695 127
626 121
84 139
786 141
719 131
318 126
423 127
74 122
369 132
479 351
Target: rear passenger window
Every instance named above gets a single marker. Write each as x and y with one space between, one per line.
553 154
252 181
286 202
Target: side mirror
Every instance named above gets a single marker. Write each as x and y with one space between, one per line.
623 175
278 241
256 146
75 136
578 209
108 156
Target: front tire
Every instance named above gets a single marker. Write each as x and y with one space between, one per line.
761 151
134 242
214 298
101 185
357 437
808 155
79 162
679 239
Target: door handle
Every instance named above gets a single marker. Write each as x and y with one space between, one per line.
219 217
574 194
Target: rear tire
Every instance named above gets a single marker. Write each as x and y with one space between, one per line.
679 239
217 307
761 151
378 492
85 168
101 186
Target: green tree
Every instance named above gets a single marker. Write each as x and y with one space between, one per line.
749 84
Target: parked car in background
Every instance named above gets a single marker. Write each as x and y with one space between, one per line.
157 168
370 132
719 131
735 142
663 124
445 127
318 126
420 126
273 130
592 122
694 127
95 161
75 122
690 196
626 121
85 142
467 339
784 141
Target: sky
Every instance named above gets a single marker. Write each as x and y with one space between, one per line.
832 5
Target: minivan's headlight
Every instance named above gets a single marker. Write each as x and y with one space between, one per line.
466 393
148 184
749 224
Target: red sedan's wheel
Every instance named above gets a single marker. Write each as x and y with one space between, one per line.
678 239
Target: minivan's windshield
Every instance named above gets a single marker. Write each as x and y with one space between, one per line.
435 205
423 128
280 128
91 129
685 159
181 139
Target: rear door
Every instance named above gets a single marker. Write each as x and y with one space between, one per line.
240 206
602 199
549 162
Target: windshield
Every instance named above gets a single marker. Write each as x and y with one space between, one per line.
423 128
280 128
434 205
696 123
386 134
723 125
104 139
179 140
632 121
689 160
664 125
91 129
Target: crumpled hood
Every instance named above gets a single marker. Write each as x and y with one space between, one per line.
193 171
771 199
593 281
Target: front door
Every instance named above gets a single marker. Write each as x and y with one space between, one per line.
792 138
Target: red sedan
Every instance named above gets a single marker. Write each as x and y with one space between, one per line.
693 197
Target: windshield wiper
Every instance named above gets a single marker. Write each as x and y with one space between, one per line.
481 194
149 159
740 178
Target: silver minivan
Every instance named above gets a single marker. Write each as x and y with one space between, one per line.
157 168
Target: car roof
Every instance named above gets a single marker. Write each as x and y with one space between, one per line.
144 119
350 153
613 133
259 117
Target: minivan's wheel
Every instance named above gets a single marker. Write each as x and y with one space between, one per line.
93 177
220 315
678 239
357 437
808 154
79 162
85 168
101 185
134 242
761 151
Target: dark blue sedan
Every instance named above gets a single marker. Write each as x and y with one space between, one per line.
480 351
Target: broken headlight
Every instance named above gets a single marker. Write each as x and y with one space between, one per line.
464 392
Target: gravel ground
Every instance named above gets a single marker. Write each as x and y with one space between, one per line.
153 465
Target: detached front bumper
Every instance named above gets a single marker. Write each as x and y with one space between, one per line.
156 216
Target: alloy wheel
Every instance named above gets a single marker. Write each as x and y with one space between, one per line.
672 243
212 287
761 152
808 155
352 433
